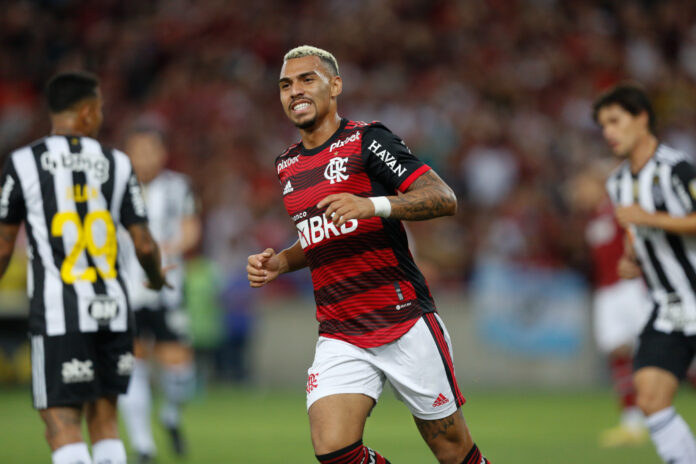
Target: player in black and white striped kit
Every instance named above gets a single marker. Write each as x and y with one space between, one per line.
654 192
71 192
161 321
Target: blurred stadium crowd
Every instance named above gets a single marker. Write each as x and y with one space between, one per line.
496 95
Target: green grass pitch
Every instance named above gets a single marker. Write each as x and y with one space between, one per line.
233 426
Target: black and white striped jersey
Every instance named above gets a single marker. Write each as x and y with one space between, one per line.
169 200
72 193
667 183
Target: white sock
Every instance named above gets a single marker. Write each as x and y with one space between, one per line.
178 386
633 417
672 437
135 407
74 453
109 451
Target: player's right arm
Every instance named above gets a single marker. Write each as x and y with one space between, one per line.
628 266
148 254
134 219
264 267
12 212
8 234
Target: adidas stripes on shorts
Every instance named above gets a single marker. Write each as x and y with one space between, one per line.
418 366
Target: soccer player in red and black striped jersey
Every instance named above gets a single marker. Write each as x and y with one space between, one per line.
347 186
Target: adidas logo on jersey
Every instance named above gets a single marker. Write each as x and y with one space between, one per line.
77 371
288 188
440 401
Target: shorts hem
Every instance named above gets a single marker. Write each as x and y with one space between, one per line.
437 414
339 391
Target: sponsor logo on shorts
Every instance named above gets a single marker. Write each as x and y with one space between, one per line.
125 365
312 382
440 401
77 371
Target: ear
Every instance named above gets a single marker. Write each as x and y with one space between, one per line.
336 86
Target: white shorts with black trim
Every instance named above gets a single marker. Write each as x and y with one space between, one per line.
418 366
620 312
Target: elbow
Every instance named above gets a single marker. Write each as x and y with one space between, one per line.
450 200
146 249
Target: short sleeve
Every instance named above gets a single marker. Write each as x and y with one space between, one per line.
133 210
388 159
12 207
684 184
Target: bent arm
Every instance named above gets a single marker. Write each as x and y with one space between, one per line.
427 197
292 259
148 253
8 235
685 225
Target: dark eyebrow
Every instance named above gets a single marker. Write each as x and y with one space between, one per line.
300 76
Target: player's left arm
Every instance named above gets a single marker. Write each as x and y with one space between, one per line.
390 163
684 187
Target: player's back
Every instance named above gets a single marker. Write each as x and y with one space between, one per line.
73 193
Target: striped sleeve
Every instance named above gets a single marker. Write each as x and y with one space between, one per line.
130 201
12 207
684 184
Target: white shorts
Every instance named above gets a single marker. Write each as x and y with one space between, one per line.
620 312
418 366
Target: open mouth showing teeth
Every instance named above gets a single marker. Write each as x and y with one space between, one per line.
300 106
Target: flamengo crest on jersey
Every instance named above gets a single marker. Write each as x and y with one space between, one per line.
336 170
367 288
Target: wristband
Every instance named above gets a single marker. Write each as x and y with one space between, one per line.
382 206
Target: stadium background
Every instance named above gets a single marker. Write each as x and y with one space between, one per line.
495 95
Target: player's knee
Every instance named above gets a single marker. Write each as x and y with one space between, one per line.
651 401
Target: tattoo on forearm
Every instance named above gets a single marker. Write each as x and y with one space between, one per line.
428 197
430 430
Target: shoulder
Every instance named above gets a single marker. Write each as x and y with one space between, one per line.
617 173
18 154
290 151
175 178
671 156
117 155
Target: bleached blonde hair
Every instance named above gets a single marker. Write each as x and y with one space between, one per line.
307 50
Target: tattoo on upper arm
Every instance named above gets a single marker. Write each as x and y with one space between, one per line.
431 429
428 197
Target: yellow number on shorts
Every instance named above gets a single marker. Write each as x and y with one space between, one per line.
85 240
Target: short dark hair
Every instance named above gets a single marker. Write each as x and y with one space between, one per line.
66 89
631 97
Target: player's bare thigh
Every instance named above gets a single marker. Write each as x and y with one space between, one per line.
337 421
102 420
173 353
655 388
63 425
448 438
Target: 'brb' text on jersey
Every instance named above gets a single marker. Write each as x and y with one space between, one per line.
367 287
667 183
72 192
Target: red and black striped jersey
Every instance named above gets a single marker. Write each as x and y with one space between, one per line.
367 287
